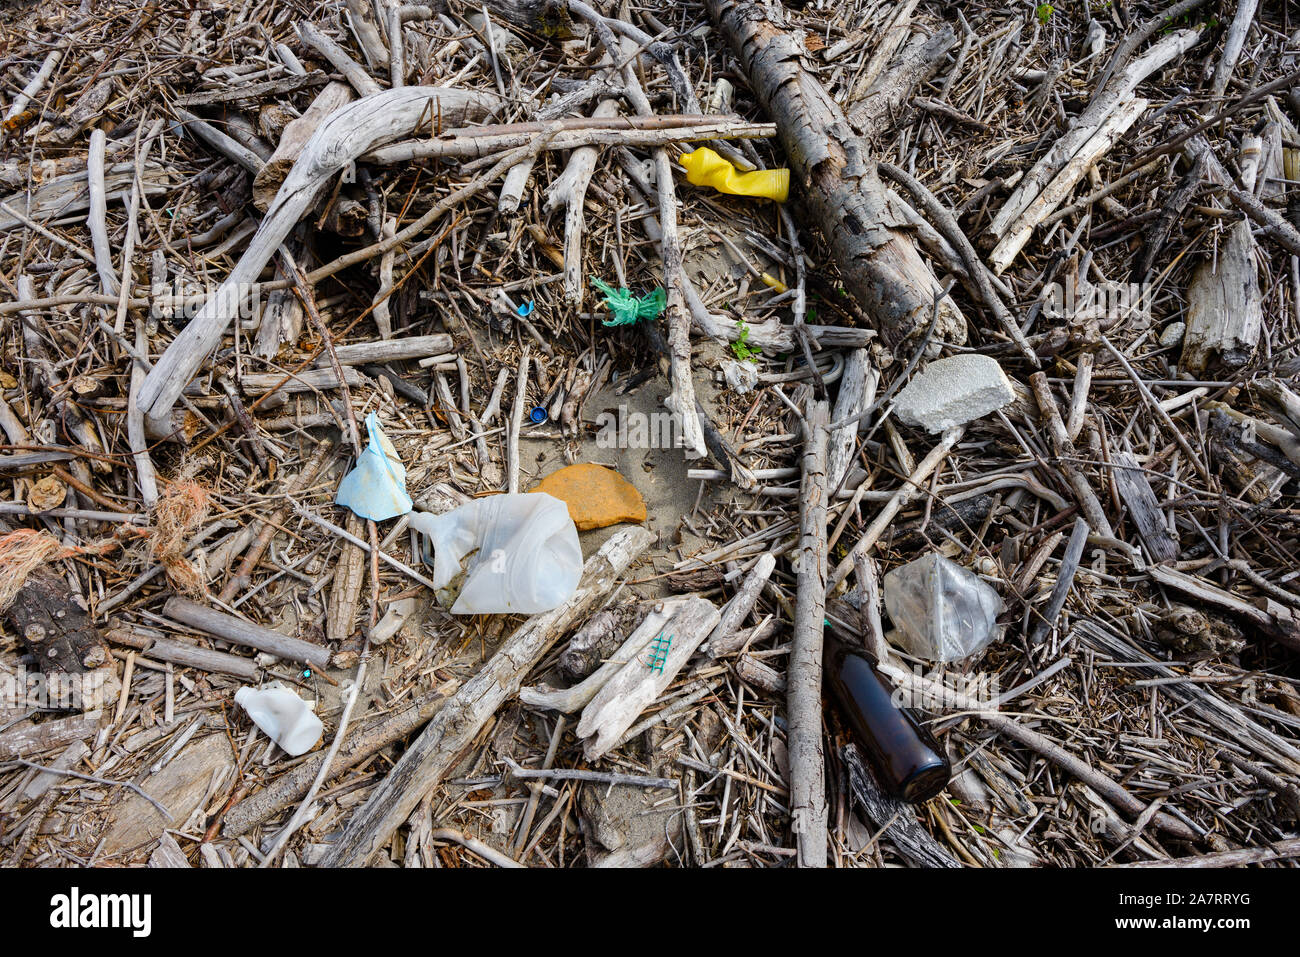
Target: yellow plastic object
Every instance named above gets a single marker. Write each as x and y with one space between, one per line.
773 283
706 168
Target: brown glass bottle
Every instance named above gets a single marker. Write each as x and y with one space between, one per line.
907 760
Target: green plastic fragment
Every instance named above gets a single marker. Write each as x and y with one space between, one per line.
627 308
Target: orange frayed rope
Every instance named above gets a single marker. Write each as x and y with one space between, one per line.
177 516
22 551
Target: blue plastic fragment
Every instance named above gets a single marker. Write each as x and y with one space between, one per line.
526 309
376 486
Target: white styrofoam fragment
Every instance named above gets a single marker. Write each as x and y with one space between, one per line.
953 391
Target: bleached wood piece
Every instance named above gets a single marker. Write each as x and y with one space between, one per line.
34 85
294 139
804 673
397 16
570 190
1225 312
1076 168
368 27
393 350
1112 111
727 637
857 392
244 632
341 138
68 193
636 686
96 218
361 81
580 695
227 146
452 730
1232 44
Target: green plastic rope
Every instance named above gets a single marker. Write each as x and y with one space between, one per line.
627 308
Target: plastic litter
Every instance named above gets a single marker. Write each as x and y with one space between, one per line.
741 376
537 416
943 611
286 718
706 168
905 756
526 309
504 554
376 486
627 308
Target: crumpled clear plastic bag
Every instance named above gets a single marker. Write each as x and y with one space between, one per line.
943 611
503 554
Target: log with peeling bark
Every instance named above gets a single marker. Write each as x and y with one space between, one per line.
845 197
804 681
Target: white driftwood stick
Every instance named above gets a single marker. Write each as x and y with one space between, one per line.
516 424
382 312
227 146
804 674
1051 195
578 696
462 144
392 350
857 392
361 81
725 639
97 219
1118 90
1232 45
451 731
910 489
340 138
368 27
570 190
34 85
397 16
636 685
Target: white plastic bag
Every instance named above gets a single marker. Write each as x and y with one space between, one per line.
504 554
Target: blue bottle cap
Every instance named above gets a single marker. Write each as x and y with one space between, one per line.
537 416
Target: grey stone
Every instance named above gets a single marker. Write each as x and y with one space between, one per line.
953 391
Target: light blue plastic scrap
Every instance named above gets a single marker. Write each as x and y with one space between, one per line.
376 486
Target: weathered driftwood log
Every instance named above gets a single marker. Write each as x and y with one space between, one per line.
881 266
242 632
155 645
453 729
294 140
645 674
341 138
1225 312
